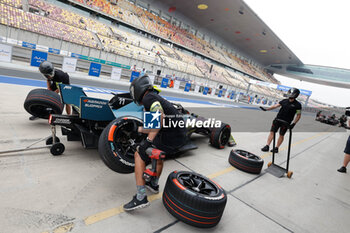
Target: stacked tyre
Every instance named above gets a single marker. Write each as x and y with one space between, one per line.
194 199
42 102
219 137
246 161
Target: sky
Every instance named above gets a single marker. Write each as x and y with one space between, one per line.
317 32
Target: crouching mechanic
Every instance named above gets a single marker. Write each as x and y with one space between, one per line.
289 107
165 139
53 78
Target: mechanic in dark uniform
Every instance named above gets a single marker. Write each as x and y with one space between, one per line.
164 139
347 147
346 157
54 77
289 107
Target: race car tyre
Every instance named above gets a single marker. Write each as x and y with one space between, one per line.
194 199
49 141
246 161
42 102
57 149
115 147
219 137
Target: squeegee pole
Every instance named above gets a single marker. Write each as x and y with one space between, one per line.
289 145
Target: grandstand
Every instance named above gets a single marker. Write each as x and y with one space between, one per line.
129 30
149 21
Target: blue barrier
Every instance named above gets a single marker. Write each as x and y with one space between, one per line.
95 69
164 83
37 58
76 55
220 93
187 87
305 92
134 75
54 51
286 88
28 45
205 91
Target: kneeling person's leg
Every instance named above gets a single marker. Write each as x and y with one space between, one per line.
140 166
140 199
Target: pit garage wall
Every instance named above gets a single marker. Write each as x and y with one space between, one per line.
24 54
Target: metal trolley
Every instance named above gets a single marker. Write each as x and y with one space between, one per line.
52 142
273 168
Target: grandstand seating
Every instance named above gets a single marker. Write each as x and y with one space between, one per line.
161 27
127 50
31 22
69 17
137 16
170 52
67 25
15 3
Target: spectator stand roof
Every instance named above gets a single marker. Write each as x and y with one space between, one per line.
236 23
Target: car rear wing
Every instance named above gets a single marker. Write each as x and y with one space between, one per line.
95 109
89 108
71 95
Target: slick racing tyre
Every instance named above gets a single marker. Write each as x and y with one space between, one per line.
219 137
115 147
42 102
194 199
246 161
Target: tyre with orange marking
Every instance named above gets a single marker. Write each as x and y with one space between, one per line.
246 161
194 199
219 137
115 144
42 102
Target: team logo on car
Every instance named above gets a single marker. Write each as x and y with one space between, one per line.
151 120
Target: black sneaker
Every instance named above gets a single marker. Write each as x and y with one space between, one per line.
32 118
265 148
136 204
342 170
275 150
151 187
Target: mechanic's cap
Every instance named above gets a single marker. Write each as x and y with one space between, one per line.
46 68
293 93
138 88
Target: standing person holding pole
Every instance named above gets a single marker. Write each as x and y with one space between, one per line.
289 107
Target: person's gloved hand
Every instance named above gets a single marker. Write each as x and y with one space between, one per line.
262 108
144 145
292 125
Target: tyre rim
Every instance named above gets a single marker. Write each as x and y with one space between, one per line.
225 136
247 154
198 184
123 140
41 110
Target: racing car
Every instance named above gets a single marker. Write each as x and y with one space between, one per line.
109 124
330 120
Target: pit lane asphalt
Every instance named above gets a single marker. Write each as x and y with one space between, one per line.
76 192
